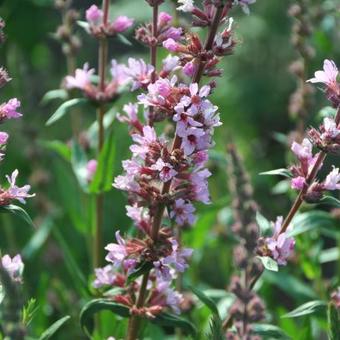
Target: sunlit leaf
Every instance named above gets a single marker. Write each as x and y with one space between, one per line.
280 172
269 332
18 211
269 263
79 163
305 309
329 255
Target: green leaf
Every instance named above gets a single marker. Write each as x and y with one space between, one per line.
330 200
269 263
327 111
103 177
216 329
264 224
97 305
333 318
54 94
79 164
65 108
28 311
38 238
329 255
124 40
85 25
54 328
305 309
141 270
18 211
269 332
59 147
280 172
171 320
206 300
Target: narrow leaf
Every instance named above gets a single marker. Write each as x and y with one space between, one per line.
330 200
333 316
269 263
280 172
103 178
54 94
65 108
305 309
18 211
79 163
59 147
171 320
54 328
205 299
269 332
263 223
124 40
97 305
85 25
216 329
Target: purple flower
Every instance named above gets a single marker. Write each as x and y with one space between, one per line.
298 183
94 15
119 76
185 5
171 45
173 33
91 168
166 171
173 299
131 111
199 186
16 192
14 266
332 181
304 150
104 276
183 212
178 257
82 78
195 98
126 183
280 245
328 76
8 110
117 251
122 23
138 72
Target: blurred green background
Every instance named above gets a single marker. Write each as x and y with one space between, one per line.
253 97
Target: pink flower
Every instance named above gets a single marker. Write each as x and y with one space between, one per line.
149 137
138 72
173 299
82 78
328 76
94 15
166 171
186 5
331 129
303 150
196 97
104 277
13 266
183 212
8 110
91 168
173 33
164 18
131 111
171 45
3 138
16 192
280 245
336 298
298 183
179 257
332 181
190 139
170 63
117 251
189 69
126 183
184 119
122 23
119 76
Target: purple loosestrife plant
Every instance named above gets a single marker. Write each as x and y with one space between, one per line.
164 178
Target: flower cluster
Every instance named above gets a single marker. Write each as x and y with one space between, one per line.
100 27
126 256
14 267
84 80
